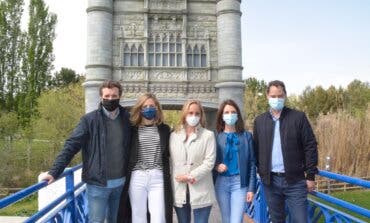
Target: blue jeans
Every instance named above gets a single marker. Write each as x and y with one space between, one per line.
279 193
103 203
231 198
201 215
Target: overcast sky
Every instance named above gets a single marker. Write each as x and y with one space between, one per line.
312 42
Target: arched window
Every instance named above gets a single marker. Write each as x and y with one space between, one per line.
203 57
133 55
162 50
178 51
172 51
196 59
189 56
151 50
157 50
165 50
141 56
126 56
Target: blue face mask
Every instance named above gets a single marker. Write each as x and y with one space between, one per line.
230 119
149 113
276 104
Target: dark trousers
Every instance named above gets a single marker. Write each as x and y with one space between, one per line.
279 193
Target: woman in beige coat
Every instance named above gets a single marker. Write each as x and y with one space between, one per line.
192 158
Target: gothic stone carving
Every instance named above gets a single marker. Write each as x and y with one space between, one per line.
204 91
131 90
166 4
129 75
167 75
165 23
131 26
198 75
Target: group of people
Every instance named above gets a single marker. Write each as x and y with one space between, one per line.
137 169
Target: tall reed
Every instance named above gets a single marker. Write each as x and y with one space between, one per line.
346 140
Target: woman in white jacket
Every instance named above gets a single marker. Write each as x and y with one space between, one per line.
192 158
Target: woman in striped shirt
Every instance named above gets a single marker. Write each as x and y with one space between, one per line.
150 185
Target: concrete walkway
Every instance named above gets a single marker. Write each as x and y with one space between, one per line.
215 216
9 219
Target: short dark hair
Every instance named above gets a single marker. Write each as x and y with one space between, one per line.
110 84
220 123
276 83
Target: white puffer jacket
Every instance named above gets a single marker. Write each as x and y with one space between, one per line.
196 157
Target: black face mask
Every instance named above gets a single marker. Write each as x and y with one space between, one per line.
110 104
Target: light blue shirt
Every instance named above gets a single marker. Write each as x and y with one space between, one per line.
277 162
116 182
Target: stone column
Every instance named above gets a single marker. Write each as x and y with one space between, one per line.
230 68
99 49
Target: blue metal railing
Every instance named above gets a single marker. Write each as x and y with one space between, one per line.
258 210
330 214
72 205
72 210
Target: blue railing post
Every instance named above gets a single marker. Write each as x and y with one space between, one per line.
260 206
264 210
70 195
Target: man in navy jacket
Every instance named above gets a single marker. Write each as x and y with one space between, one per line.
286 152
103 136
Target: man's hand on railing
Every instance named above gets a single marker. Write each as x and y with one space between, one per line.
310 185
49 178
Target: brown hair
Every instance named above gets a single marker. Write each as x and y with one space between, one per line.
136 117
276 83
220 123
110 84
185 110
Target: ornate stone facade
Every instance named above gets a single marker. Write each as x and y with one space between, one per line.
177 49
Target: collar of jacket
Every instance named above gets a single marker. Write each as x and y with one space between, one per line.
122 110
182 132
283 113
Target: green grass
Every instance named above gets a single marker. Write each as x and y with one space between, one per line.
25 207
359 197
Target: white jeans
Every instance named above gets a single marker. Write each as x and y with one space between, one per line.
147 189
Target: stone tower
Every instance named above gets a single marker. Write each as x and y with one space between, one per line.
176 49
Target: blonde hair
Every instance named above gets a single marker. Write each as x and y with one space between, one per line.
185 111
136 117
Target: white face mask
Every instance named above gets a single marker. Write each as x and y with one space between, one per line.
276 104
230 119
192 120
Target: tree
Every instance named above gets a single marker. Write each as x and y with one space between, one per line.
357 98
64 77
38 57
314 101
11 46
60 111
255 101
8 128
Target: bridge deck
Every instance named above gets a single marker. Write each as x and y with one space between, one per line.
215 216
